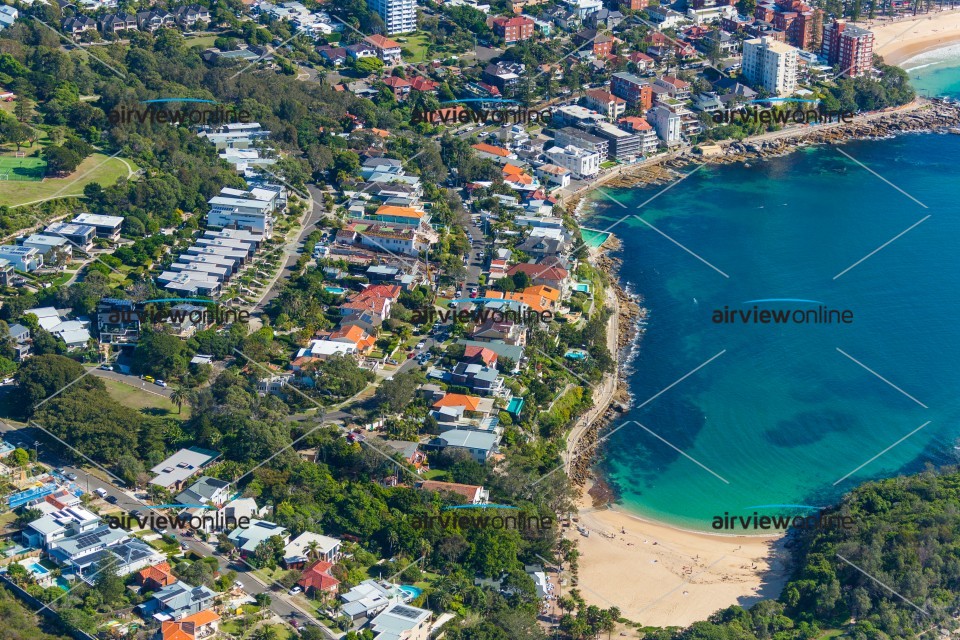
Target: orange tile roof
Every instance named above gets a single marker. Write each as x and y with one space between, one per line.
468 491
458 400
202 618
318 577
483 147
380 42
488 356
544 291
383 133
400 212
159 573
513 173
536 302
354 334
170 630
539 271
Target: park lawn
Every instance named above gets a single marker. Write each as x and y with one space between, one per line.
135 398
416 44
97 168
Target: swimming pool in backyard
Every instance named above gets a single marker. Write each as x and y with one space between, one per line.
410 592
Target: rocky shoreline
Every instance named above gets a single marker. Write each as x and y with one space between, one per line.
631 324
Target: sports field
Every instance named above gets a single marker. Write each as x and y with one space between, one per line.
24 169
96 168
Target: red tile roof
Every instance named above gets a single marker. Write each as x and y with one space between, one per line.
539 271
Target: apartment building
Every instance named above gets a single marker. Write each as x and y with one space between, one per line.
568 136
848 47
771 65
634 89
399 16
513 29
666 123
579 162
606 103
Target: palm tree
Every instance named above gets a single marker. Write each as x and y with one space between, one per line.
313 549
180 396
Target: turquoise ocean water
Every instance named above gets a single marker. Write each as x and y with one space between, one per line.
783 415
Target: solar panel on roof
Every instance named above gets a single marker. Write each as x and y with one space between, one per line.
406 612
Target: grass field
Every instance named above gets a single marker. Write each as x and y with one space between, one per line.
13 168
142 401
416 44
97 168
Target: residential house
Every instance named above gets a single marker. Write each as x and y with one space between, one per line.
539 274
199 625
484 381
402 622
473 493
409 451
156 577
482 355
172 473
247 539
56 250
273 385
503 74
80 235
117 321
372 304
369 598
114 23
387 50
76 25
553 176
191 14
334 55
675 87
177 601
311 546
398 86
8 15
491 152
206 491
154 19
605 19
6 272
20 337
317 580
58 525
22 258
480 445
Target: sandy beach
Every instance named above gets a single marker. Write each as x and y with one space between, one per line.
903 39
661 576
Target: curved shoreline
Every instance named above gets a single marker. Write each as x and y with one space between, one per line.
898 41
633 560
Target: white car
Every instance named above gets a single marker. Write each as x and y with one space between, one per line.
160 383
238 585
421 345
294 591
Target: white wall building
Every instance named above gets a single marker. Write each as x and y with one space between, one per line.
771 65
666 123
400 16
580 163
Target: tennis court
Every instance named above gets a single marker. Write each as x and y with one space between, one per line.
29 169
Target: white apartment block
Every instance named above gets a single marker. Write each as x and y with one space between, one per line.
400 16
240 213
771 65
580 162
666 123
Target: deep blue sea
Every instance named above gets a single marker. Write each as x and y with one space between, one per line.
783 415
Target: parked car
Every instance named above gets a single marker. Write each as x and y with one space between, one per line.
421 345
148 378
70 476
100 491
160 383
106 367
111 499
295 591
237 584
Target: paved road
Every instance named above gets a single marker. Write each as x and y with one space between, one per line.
133 381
